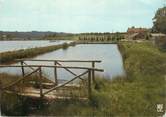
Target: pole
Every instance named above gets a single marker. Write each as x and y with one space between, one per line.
89 83
40 82
55 73
93 72
22 67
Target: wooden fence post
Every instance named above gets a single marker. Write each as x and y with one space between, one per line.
89 83
0 98
22 67
40 82
93 72
55 73
0 93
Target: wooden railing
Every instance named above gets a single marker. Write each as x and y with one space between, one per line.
58 62
38 69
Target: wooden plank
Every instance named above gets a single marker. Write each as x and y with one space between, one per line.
17 81
44 84
35 93
70 71
69 67
45 78
51 97
54 88
97 61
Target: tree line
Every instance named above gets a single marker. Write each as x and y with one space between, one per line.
101 37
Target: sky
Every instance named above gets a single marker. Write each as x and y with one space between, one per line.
77 15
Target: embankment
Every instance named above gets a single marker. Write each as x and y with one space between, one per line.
27 53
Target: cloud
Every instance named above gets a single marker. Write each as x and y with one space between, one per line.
76 15
150 2
1 2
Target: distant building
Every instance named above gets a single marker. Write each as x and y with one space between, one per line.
137 33
137 36
133 30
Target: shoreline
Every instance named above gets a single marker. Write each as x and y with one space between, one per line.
10 56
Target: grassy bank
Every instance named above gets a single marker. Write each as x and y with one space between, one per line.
144 87
136 94
26 53
13 104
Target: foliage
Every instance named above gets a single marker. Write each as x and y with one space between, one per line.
161 43
101 37
61 36
160 20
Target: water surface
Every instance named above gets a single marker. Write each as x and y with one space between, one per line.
108 53
16 45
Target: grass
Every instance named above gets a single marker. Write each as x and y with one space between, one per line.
161 43
27 53
136 94
14 105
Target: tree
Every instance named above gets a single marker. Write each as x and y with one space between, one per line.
159 24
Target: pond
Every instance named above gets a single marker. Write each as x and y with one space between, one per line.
16 45
109 54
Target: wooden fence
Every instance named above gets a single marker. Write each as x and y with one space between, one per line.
90 71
